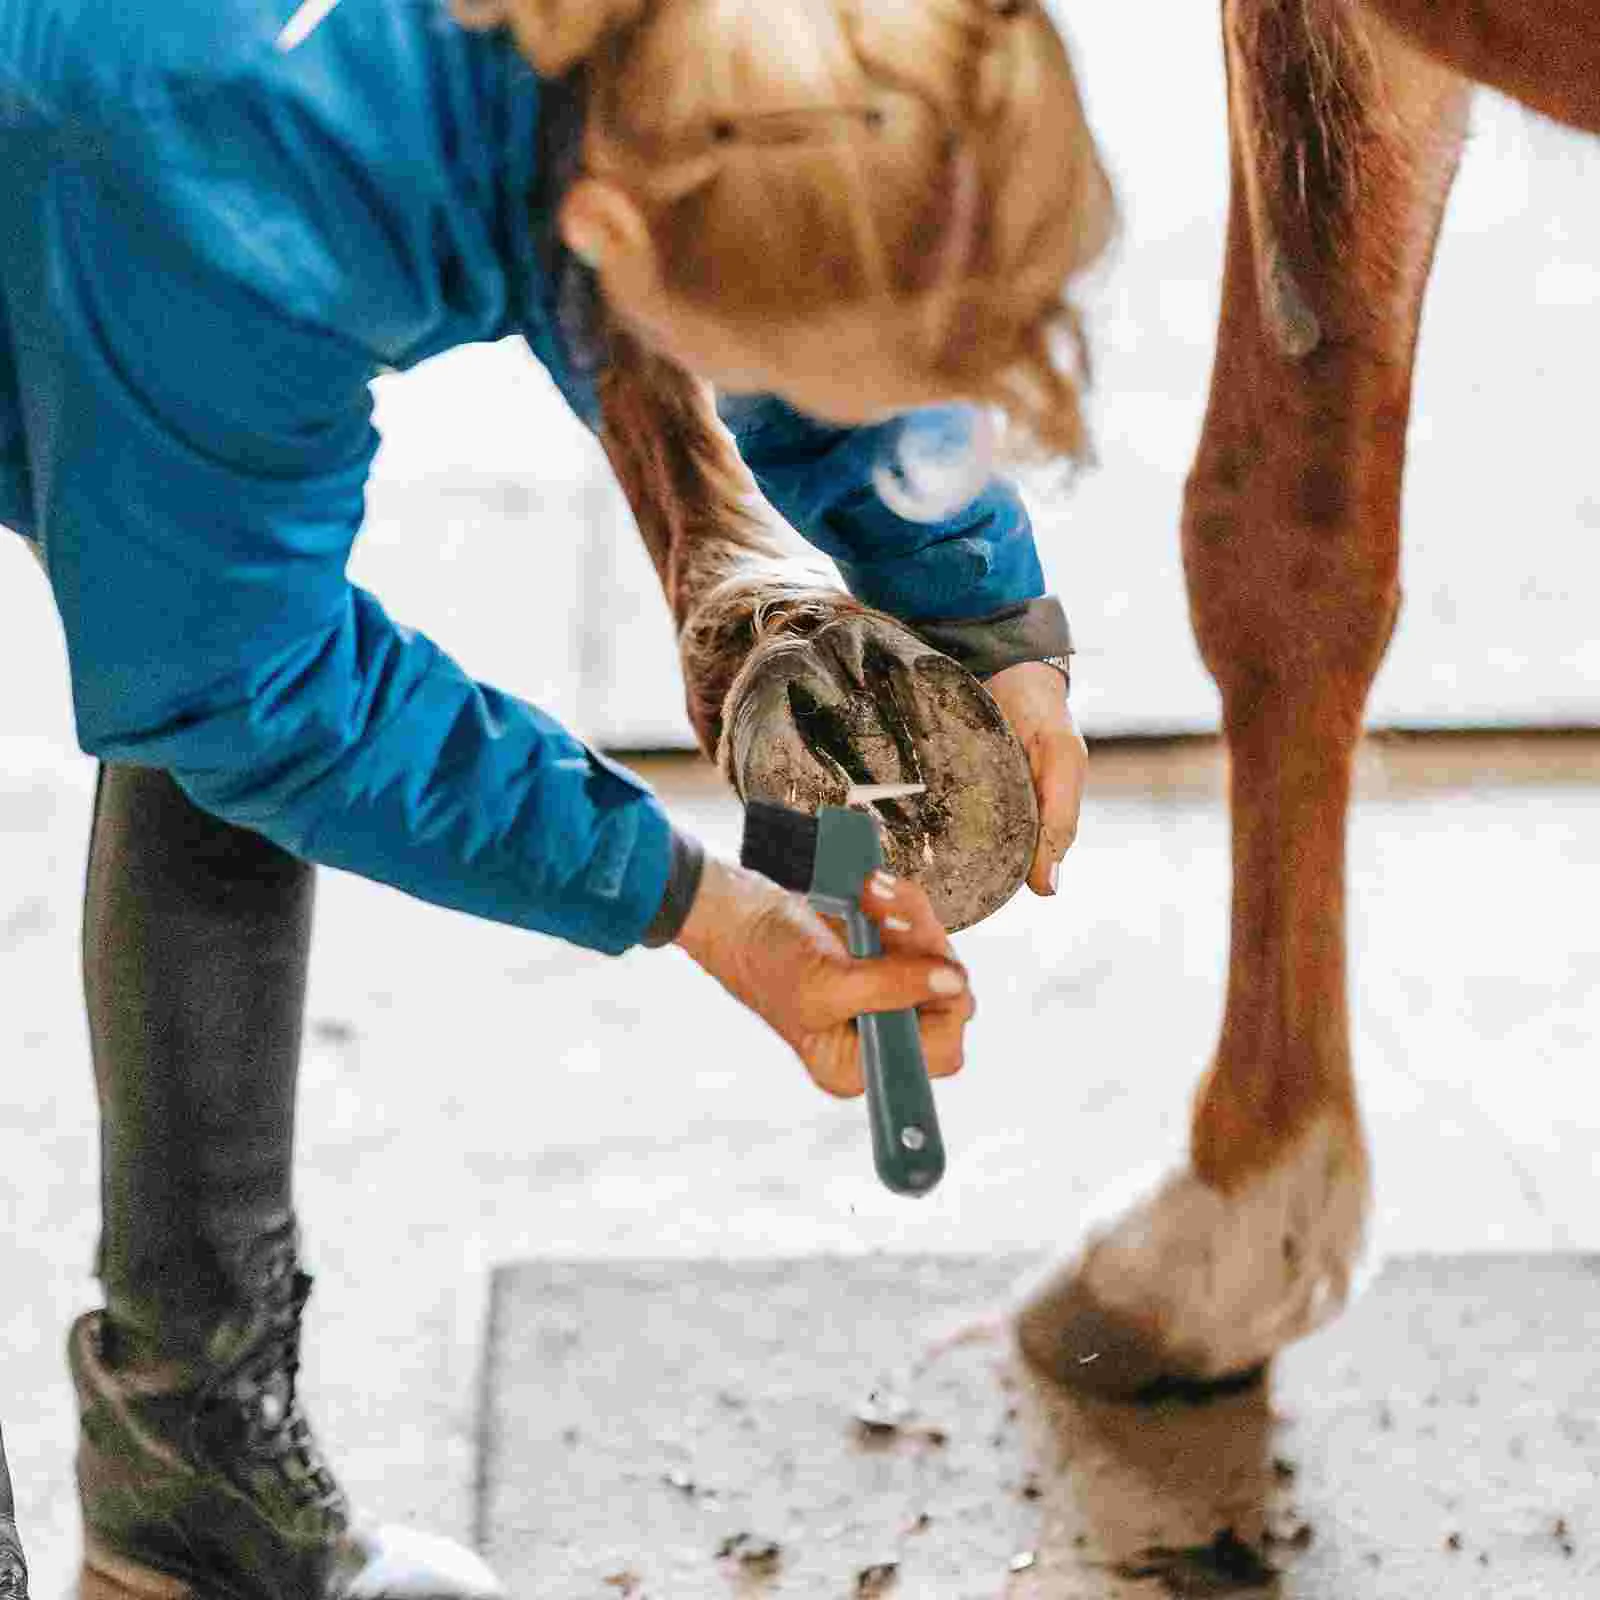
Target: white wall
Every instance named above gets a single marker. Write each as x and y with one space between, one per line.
493 523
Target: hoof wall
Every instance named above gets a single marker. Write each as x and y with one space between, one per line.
1068 1336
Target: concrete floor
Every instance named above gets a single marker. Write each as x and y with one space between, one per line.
474 1096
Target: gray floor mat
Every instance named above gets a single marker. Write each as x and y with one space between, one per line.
1444 1439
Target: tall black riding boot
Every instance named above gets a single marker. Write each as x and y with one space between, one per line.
13 1569
197 1470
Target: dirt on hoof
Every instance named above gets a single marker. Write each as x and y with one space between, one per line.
863 701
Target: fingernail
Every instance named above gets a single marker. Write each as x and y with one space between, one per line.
946 980
881 886
897 924
1055 874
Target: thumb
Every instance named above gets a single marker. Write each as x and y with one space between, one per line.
1059 763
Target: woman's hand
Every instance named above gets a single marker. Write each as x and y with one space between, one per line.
1034 700
771 951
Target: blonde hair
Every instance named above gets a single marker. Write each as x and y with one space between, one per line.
928 159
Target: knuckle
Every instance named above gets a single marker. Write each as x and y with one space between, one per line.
833 1078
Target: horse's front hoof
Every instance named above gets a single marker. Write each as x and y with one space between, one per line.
1189 1292
863 701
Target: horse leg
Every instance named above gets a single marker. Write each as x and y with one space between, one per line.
1343 145
796 689
1545 53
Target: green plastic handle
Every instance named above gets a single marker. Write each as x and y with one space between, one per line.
907 1147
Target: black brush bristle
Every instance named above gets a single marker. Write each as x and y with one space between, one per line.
780 844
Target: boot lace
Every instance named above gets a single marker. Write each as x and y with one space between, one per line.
258 1402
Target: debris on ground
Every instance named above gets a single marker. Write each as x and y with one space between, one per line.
922 1524
681 1481
1226 1566
752 1552
877 1578
1023 1561
630 1584
1453 1543
882 1414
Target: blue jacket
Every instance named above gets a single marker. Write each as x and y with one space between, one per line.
208 247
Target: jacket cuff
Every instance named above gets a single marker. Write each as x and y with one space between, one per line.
683 883
1032 631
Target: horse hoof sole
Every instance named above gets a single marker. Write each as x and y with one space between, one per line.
863 701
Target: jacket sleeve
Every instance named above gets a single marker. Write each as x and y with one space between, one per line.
975 564
200 465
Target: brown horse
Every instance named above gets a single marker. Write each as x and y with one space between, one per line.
1346 121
